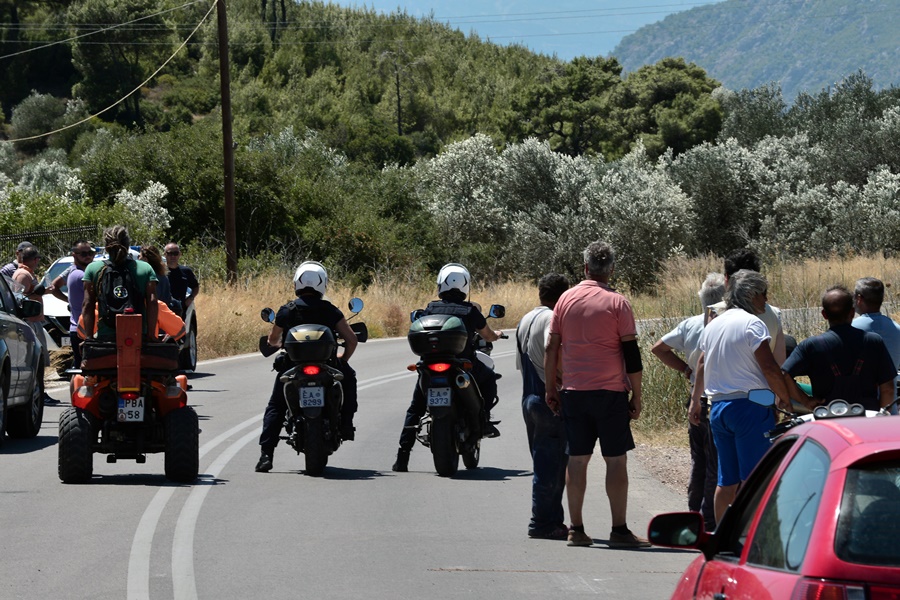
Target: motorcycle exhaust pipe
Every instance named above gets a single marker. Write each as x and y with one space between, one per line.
463 380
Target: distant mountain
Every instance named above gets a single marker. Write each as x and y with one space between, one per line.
805 45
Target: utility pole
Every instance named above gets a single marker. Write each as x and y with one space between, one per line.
227 145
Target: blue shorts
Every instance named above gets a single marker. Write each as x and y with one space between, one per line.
597 415
738 426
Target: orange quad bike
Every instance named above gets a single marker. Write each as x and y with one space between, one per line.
128 400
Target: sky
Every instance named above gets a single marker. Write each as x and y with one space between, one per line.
567 28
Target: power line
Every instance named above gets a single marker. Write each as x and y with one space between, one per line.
132 92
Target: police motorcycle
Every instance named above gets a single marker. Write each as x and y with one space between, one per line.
312 386
454 423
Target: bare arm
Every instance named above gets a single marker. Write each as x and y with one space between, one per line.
772 372
780 350
795 392
275 336
488 334
87 308
551 361
664 353
56 291
343 328
635 379
886 393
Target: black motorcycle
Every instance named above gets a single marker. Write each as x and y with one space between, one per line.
312 387
454 422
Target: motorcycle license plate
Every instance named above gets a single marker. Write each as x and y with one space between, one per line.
131 411
439 396
312 397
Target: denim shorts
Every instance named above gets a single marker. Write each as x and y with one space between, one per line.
597 415
738 426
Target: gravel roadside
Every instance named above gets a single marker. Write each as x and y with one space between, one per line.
669 464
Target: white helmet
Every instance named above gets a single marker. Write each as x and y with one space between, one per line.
453 276
311 274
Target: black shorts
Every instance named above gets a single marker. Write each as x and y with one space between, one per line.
597 415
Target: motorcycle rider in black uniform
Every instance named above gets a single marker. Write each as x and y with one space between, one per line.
453 287
309 308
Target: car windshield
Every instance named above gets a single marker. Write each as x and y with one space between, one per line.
869 526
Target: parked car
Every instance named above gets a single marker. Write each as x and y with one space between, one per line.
21 366
56 314
819 517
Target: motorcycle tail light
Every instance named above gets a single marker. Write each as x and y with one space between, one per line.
439 367
311 370
129 341
129 395
818 589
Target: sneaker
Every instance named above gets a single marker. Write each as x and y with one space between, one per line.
402 463
627 540
560 532
579 538
48 401
265 463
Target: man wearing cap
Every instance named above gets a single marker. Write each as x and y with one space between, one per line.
24 275
10 268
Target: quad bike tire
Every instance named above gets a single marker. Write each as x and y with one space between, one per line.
314 447
182 460
443 447
25 421
76 458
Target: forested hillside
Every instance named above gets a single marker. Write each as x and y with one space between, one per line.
387 146
801 45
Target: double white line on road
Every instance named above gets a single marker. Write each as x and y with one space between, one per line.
183 580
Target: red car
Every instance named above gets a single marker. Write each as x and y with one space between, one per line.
819 518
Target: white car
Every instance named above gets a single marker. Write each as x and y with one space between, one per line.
56 314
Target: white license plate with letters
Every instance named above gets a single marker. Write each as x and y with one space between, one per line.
131 410
312 397
439 396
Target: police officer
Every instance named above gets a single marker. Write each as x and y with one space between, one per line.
453 288
309 308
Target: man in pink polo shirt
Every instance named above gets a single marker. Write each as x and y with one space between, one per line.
594 338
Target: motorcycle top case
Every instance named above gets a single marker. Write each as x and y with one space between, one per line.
438 334
310 343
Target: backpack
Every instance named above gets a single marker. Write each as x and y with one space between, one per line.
117 293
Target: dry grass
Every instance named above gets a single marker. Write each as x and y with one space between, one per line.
230 324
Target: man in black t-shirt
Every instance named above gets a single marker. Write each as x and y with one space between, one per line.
844 362
453 287
181 278
309 307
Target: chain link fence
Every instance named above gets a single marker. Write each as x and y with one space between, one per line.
52 243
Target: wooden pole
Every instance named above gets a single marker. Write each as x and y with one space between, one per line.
227 145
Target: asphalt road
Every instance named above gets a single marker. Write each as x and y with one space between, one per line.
361 531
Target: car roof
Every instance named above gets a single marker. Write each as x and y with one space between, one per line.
863 437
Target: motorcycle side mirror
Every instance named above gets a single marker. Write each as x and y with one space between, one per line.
267 315
355 305
498 311
361 331
416 315
762 397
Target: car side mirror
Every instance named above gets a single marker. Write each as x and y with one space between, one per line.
677 530
416 315
267 315
355 305
30 308
361 331
497 311
762 397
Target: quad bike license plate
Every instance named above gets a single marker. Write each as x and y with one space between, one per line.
439 396
312 397
131 411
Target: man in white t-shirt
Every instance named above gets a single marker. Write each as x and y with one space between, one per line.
685 338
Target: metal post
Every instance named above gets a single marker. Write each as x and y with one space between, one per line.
227 145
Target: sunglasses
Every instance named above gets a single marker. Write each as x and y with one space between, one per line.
172 253
85 253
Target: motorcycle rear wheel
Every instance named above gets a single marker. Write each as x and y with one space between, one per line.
314 449
443 447
182 462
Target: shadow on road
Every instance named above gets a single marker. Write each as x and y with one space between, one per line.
14 446
491 474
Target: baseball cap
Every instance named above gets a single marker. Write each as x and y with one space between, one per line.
23 245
